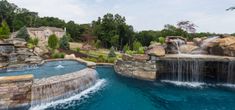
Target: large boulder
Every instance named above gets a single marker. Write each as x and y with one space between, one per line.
72 56
173 43
197 41
220 46
187 48
227 44
158 51
33 59
18 42
40 51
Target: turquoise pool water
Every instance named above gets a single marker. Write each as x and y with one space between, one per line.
48 69
114 92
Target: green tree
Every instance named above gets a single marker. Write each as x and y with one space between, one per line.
23 33
126 48
64 42
115 40
53 42
161 40
136 46
4 30
112 52
112 30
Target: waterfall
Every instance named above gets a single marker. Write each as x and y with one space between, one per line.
183 70
178 42
231 72
61 87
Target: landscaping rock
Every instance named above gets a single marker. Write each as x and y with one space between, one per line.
140 57
158 51
136 69
187 48
197 41
40 51
18 42
127 57
71 56
173 43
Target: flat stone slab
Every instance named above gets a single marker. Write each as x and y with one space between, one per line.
198 57
8 79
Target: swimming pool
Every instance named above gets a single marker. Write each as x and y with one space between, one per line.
49 68
114 92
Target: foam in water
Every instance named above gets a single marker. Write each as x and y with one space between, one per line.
187 84
84 94
59 67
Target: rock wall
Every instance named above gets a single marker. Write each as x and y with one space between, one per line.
136 67
15 91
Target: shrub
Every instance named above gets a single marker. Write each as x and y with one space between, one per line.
161 40
55 55
111 60
141 50
33 41
29 45
23 33
98 44
112 53
58 55
126 48
53 42
78 49
101 58
91 59
130 52
64 42
136 45
4 30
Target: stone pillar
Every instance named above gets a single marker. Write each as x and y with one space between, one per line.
15 91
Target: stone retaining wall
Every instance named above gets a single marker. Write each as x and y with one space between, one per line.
141 68
15 91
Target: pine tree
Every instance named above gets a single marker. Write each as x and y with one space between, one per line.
23 33
4 30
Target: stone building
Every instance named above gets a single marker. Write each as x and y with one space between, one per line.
43 33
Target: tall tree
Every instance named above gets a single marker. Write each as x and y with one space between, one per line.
187 26
4 30
23 33
53 42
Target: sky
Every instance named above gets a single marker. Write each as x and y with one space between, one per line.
208 15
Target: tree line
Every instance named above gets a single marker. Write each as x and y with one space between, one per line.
111 30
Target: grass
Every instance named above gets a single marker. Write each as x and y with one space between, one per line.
98 56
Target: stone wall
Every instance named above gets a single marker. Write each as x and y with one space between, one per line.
15 91
136 66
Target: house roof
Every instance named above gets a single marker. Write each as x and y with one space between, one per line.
54 29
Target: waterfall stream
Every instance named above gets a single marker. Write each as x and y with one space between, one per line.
61 87
231 72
